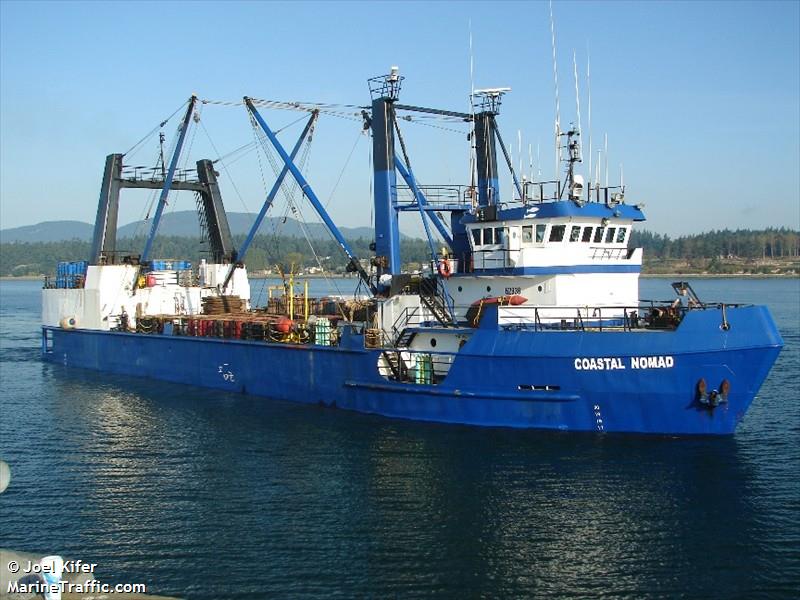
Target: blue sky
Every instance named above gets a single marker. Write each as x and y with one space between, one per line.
700 101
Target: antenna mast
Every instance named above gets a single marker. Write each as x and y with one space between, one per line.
575 155
472 152
558 108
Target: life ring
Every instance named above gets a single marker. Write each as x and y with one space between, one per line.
444 268
68 323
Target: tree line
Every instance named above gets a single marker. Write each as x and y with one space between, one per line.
723 244
24 258
40 258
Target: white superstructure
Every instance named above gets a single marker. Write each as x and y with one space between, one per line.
111 291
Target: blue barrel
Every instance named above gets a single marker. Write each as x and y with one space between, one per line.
81 266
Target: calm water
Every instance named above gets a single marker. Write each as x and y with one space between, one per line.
207 495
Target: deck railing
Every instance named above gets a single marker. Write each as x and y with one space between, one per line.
647 315
415 366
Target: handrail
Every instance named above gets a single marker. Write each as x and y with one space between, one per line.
532 192
447 192
141 173
648 314
651 314
397 367
610 253
511 259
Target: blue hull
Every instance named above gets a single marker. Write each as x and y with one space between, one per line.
561 380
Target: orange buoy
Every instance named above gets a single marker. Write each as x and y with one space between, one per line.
284 325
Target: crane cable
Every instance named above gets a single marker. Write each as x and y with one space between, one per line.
291 194
153 130
288 194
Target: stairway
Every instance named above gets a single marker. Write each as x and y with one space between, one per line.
434 301
201 214
396 365
404 340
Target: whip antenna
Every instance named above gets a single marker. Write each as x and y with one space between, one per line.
577 100
530 162
558 108
589 92
597 171
538 161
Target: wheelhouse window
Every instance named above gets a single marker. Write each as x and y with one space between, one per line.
610 235
488 236
500 235
557 233
540 229
587 234
575 233
598 234
621 235
527 234
476 237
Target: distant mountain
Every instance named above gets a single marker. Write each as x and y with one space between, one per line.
49 231
181 223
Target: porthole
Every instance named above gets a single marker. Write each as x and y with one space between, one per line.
540 288
488 288
433 342
460 289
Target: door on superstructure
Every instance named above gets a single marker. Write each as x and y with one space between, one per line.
495 240
513 241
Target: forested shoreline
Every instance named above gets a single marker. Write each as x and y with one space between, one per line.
767 251
40 258
774 251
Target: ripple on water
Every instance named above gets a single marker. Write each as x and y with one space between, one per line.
152 481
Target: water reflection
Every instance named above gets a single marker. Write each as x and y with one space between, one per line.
151 479
409 507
